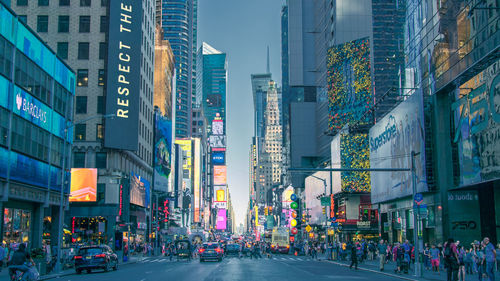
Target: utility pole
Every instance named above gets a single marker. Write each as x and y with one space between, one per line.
416 223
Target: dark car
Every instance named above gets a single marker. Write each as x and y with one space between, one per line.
95 257
211 251
233 249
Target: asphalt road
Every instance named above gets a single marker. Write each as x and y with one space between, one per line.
287 268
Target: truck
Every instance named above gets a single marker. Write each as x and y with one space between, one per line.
280 240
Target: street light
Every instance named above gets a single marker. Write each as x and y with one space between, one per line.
67 126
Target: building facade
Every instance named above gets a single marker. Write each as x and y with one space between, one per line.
36 110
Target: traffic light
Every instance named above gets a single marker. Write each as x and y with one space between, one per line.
296 212
265 211
324 210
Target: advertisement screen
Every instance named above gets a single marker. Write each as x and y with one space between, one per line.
124 75
83 185
218 127
163 150
349 83
392 140
218 158
139 190
220 175
221 219
218 141
220 196
197 179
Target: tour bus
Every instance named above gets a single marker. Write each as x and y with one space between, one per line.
280 240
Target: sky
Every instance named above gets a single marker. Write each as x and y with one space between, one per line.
242 29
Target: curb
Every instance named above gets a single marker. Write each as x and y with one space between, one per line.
58 275
374 271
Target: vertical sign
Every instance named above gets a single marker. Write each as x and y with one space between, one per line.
124 74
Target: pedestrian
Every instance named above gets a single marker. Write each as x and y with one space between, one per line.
2 256
400 255
461 262
490 257
479 260
468 261
435 260
382 251
427 257
451 260
498 257
354 257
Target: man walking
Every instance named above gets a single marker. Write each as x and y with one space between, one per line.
451 260
490 257
382 248
354 257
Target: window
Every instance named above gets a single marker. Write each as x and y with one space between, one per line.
6 50
23 18
62 50
4 126
61 98
32 78
99 132
85 3
100 78
84 24
43 2
82 77
81 105
79 159
80 131
104 24
83 50
101 191
102 50
22 2
30 139
63 2
63 25
42 24
100 105
100 160
104 3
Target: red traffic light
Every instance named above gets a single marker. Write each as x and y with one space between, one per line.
292 239
294 230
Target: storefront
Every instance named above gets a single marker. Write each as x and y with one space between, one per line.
89 230
16 225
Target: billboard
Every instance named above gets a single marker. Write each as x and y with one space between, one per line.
221 219
218 141
139 190
392 140
186 156
285 197
220 196
217 127
197 180
476 127
220 173
83 186
355 153
123 85
218 158
163 150
349 83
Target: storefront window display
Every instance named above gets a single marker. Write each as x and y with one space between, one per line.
16 226
88 230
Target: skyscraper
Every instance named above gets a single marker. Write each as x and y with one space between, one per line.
178 21
211 84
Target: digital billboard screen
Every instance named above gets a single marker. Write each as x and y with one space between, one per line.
139 190
217 127
218 141
220 173
218 158
123 74
163 151
221 219
83 186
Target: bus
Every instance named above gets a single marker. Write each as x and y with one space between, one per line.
280 240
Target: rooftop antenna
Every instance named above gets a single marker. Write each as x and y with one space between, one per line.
268 68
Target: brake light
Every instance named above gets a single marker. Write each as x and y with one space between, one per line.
78 257
201 250
272 246
287 246
100 256
218 250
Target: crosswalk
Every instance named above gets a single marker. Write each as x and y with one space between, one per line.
232 259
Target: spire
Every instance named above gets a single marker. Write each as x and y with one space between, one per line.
268 68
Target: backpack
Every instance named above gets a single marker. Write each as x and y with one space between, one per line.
447 252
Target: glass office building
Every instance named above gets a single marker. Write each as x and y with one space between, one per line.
36 100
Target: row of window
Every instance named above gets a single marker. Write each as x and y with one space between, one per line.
83 50
62 3
42 23
82 77
81 132
101 159
81 105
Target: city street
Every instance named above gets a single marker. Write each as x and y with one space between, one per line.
278 268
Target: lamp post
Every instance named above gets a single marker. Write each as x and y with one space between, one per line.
67 126
326 213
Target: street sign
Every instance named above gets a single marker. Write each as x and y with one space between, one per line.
333 219
419 198
308 228
325 201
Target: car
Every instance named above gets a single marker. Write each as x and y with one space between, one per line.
233 249
95 257
211 251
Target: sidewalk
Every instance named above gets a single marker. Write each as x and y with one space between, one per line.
4 274
373 266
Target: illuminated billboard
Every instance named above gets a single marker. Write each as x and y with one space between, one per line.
220 173
186 156
196 181
349 84
83 185
221 219
220 196
163 150
139 190
217 127
218 141
218 158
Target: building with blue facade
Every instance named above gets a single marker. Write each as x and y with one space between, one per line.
179 23
36 103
